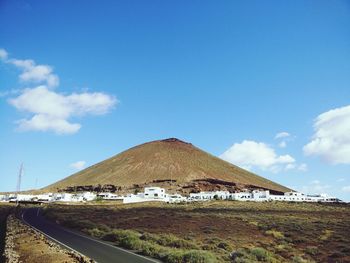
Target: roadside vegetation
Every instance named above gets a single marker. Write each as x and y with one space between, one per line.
218 231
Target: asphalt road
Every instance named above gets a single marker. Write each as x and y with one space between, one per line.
95 249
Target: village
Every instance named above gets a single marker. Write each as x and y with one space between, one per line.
158 194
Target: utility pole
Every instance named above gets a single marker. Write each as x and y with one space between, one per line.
19 180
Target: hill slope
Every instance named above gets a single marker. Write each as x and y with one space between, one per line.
163 160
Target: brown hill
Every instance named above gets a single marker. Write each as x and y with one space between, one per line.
170 163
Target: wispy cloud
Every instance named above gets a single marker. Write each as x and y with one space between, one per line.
316 187
282 144
9 92
283 137
50 110
3 54
35 73
79 165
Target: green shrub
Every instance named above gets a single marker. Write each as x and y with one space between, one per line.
260 253
168 240
197 256
173 241
311 250
275 234
96 232
298 259
172 256
168 248
152 250
225 246
124 238
192 256
253 255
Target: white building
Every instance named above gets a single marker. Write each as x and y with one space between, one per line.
300 197
23 198
260 196
154 193
241 196
150 194
206 196
109 196
64 197
89 196
322 198
49 197
176 198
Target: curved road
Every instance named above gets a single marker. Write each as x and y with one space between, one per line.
95 249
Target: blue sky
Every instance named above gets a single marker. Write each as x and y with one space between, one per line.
81 81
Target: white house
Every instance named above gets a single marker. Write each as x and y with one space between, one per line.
241 196
149 194
109 196
63 197
88 196
205 196
289 197
49 197
261 195
24 197
322 198
176 198
154 193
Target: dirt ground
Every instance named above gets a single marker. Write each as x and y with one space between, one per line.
311 232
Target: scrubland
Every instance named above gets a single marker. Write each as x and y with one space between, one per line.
218 231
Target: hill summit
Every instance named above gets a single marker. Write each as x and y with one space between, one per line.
170 163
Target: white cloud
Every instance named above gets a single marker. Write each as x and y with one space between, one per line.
316 187
35 73
303 167
282 144
315 182
42 122
251 154
9 92
3 54
282 135
285 136
331 140
78 165
51 110
290 166
346 189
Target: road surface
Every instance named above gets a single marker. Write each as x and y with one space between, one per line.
95 249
